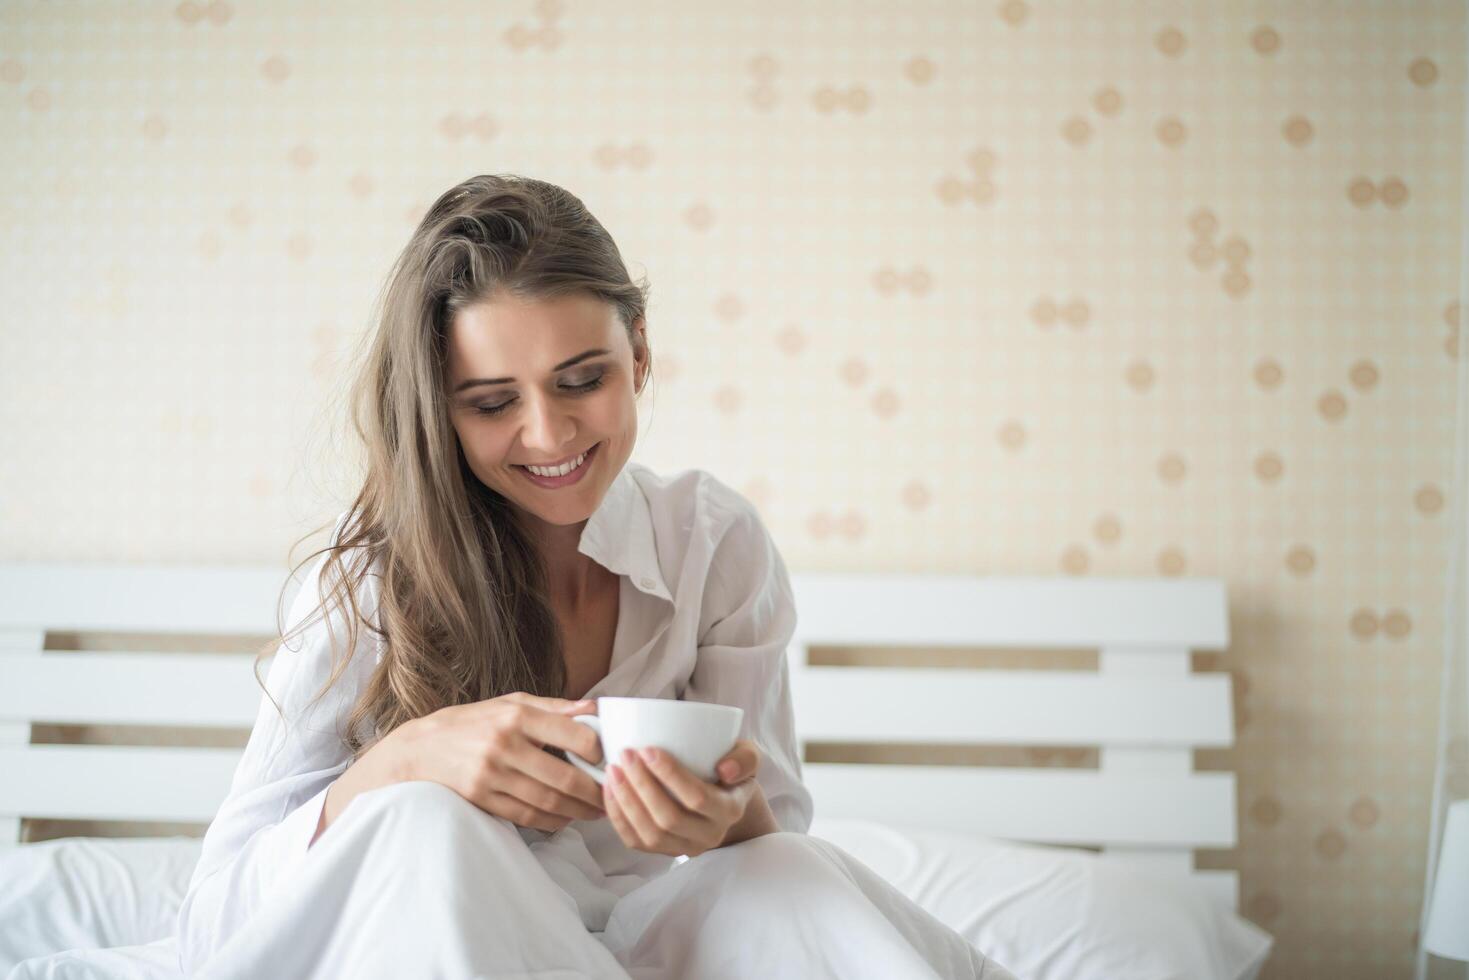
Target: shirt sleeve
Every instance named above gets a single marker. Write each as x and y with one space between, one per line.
751 615
264 826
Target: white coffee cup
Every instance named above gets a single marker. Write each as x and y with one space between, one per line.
696 733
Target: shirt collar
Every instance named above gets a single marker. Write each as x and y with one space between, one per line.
619 536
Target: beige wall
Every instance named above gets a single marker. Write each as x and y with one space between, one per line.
1074 288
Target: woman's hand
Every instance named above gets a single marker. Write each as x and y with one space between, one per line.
491 753
657 805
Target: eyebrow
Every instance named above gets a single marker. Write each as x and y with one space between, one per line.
472 382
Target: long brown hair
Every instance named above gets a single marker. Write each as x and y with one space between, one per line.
463 611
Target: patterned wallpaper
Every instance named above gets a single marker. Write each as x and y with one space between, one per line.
1017 288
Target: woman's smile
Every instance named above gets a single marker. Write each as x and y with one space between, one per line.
563 480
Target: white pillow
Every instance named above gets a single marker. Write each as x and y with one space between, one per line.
1052 913
90 892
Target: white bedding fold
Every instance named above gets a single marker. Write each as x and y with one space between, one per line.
414 881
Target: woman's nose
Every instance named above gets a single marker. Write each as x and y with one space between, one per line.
547 429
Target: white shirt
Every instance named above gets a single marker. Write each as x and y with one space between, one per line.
705 612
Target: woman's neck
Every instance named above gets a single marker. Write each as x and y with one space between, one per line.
571 576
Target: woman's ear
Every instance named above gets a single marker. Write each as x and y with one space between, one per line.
643 368
642 356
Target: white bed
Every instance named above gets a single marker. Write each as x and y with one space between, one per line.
1055 872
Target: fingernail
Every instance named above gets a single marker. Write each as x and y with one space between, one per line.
649 755
730 770
614 775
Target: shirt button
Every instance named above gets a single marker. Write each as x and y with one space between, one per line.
648 583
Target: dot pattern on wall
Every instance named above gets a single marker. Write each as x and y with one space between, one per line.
456 126
1172 468
699 216
217 13
1143 290
1140 375
1171 562
853 99
980 188
915 281
1390 191
542 33
791 340
1452 319
1233 253
1075 312
849 525
1301 560
919 70
1107 529
764 68
916 495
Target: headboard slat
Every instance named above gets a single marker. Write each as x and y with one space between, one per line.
880 704
132 689
58 596
112 782
1040 613
1056 806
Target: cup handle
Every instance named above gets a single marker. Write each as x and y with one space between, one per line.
599 773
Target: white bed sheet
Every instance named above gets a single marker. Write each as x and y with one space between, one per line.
1046 913
157 960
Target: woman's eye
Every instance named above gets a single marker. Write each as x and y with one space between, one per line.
591 385
579 389
491 409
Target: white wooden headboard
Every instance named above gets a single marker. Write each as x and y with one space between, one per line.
1143 708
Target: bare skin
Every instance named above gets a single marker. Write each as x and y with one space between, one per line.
565 378
588 633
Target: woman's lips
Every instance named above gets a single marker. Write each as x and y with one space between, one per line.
552 482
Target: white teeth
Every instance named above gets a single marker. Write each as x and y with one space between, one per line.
561 470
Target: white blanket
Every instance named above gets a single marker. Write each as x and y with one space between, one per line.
412 881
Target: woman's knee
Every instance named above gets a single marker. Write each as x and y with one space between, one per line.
780 845
772 859
418 803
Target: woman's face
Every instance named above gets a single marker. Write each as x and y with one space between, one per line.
540 382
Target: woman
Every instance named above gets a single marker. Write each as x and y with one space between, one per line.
404 806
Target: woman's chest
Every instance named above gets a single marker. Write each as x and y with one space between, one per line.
589 634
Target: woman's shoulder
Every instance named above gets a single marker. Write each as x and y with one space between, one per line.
359 562
319 591
697 500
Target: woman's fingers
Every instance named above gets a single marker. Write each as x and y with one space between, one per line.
666 813
557 774
556 728
535 791
544 703
517 811
689 790
635 811
745 756
618 819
